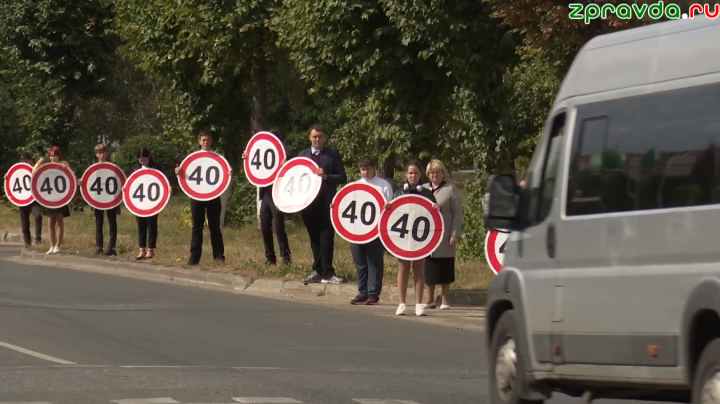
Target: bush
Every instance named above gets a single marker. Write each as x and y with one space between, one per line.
472 240
241 208
163 152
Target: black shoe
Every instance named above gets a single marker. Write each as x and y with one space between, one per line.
270 262
316 277
220 259
110 253
99 251
192 262
287 261
38 242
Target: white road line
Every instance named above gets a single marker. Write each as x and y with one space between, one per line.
266 400
256 368
34 402
36 354
381 401
163 400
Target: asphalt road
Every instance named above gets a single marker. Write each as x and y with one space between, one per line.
73 337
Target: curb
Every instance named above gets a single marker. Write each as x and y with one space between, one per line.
12 237
228 281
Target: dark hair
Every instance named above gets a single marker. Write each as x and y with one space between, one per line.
366 161
206 132
275 131
26 156
144 152
415 163
318 128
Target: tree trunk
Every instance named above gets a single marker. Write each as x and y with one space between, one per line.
387 166
259 95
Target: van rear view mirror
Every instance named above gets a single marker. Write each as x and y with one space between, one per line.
502 201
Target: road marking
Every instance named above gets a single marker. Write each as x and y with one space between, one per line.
256 368
34 402
36 354
266 400
381 401
163 400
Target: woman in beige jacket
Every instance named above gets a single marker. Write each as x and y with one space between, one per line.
440 266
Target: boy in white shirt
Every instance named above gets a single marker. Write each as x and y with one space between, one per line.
368 258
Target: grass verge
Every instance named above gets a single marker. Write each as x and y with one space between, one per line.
244 249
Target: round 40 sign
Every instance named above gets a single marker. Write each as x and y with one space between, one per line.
297 185
356 212
18 184
410 228
204 175
495 242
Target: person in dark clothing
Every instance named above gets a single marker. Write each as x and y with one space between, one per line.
147 226
101 156
317 216
271 216
412 186
199 209
33 209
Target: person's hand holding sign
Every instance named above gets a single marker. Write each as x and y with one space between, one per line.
321 172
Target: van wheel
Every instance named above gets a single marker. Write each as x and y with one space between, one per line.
504 364
706 386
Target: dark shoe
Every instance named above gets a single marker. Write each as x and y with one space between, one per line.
99 251
287 261
38 242
110 253
359 299
270 262
314 278
220 259
372 300
192 262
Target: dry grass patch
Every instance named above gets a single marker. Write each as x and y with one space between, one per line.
243 247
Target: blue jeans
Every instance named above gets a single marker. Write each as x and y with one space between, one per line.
368 259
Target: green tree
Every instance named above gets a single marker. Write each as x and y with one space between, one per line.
213 54
62 48
399 61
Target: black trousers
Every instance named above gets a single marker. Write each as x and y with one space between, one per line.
99 222
36 211
322 236
199 210
271 217
147 231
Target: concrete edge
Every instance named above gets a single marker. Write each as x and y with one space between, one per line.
229 281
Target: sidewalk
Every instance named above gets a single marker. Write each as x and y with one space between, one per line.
467 312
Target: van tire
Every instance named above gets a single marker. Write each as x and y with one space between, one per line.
707 372
504 350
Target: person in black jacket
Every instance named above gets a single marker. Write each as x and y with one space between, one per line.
101 156
317 216
271 216
412 186
147 226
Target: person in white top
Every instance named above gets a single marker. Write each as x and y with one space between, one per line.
368 258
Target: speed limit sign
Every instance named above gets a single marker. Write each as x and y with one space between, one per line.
356 212
101 185
146 192
495 244
265 153
410 228
204 175
53 185
18 184
296 185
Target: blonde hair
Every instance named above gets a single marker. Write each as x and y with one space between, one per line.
101 148
435 165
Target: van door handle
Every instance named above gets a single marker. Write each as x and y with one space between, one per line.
550 241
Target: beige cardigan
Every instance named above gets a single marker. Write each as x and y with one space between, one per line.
451 208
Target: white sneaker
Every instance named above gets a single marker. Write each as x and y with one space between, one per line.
444 307
50 251
401 310
419 309
56 249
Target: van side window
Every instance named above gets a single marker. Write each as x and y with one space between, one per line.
647 152
538 186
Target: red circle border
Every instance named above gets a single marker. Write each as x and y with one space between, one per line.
133 177
297 161
283 155
492 259
86 194
73 184
10 196
434 242
197 155
335 216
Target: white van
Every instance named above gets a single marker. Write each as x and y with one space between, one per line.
611 280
